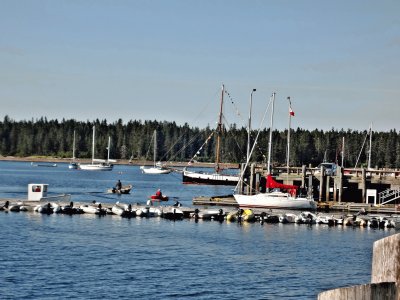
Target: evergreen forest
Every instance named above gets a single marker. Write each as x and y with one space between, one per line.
133 140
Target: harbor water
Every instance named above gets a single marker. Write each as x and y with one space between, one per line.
91 257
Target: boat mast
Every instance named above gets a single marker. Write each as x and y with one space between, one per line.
73 148
219 132
249 129
155 148
108 149
270 134
93 144
370 147
288 138
343 153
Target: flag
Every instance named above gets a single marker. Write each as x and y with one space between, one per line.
291 112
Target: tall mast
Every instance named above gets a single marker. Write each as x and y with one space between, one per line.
370 147
219 132
343 152
270 134
93 144
73 148
249 129
288 138
155 148
108 149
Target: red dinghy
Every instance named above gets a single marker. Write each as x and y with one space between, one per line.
159 196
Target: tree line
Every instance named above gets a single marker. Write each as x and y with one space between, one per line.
133 140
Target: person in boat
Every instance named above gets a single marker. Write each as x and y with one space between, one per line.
118 186
159 194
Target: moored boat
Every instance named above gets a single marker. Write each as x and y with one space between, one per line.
125 189
217 177
98 164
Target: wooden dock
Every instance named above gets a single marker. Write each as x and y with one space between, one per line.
373 186
227 200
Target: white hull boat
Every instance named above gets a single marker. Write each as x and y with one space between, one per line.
287 218
155 170
92 209
98 164
274 200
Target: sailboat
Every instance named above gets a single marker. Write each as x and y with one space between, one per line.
98 164
73 164
216 178
157 168
276 198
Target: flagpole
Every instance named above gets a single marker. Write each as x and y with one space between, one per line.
291 113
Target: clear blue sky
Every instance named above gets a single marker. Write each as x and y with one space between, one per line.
339 61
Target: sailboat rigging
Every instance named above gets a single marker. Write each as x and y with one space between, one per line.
216 178
157 168
275 198
99 164
73 164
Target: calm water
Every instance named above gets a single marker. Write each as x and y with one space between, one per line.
87 257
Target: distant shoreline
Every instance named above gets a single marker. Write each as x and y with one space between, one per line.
119 162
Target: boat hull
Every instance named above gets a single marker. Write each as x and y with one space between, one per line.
96 167
155 170
124 190
274 200
211 179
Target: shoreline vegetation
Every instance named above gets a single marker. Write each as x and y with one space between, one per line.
46 159
176 145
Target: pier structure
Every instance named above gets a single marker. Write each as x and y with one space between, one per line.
368 186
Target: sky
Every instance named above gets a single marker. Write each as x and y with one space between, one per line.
338 61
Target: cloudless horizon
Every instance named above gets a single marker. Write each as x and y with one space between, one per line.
166 60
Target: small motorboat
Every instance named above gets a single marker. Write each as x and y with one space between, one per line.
158 196
213 214
93 209
248 215
171 213
287 218
269 218
70 209
125 189
123 210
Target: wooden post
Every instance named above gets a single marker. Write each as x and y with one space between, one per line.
385 275
242 171
303 176
339 173
321 183
334 190
364 185
327 187
251 183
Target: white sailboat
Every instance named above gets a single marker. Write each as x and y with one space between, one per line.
73 164
216 178
157 168
276 198
98 164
